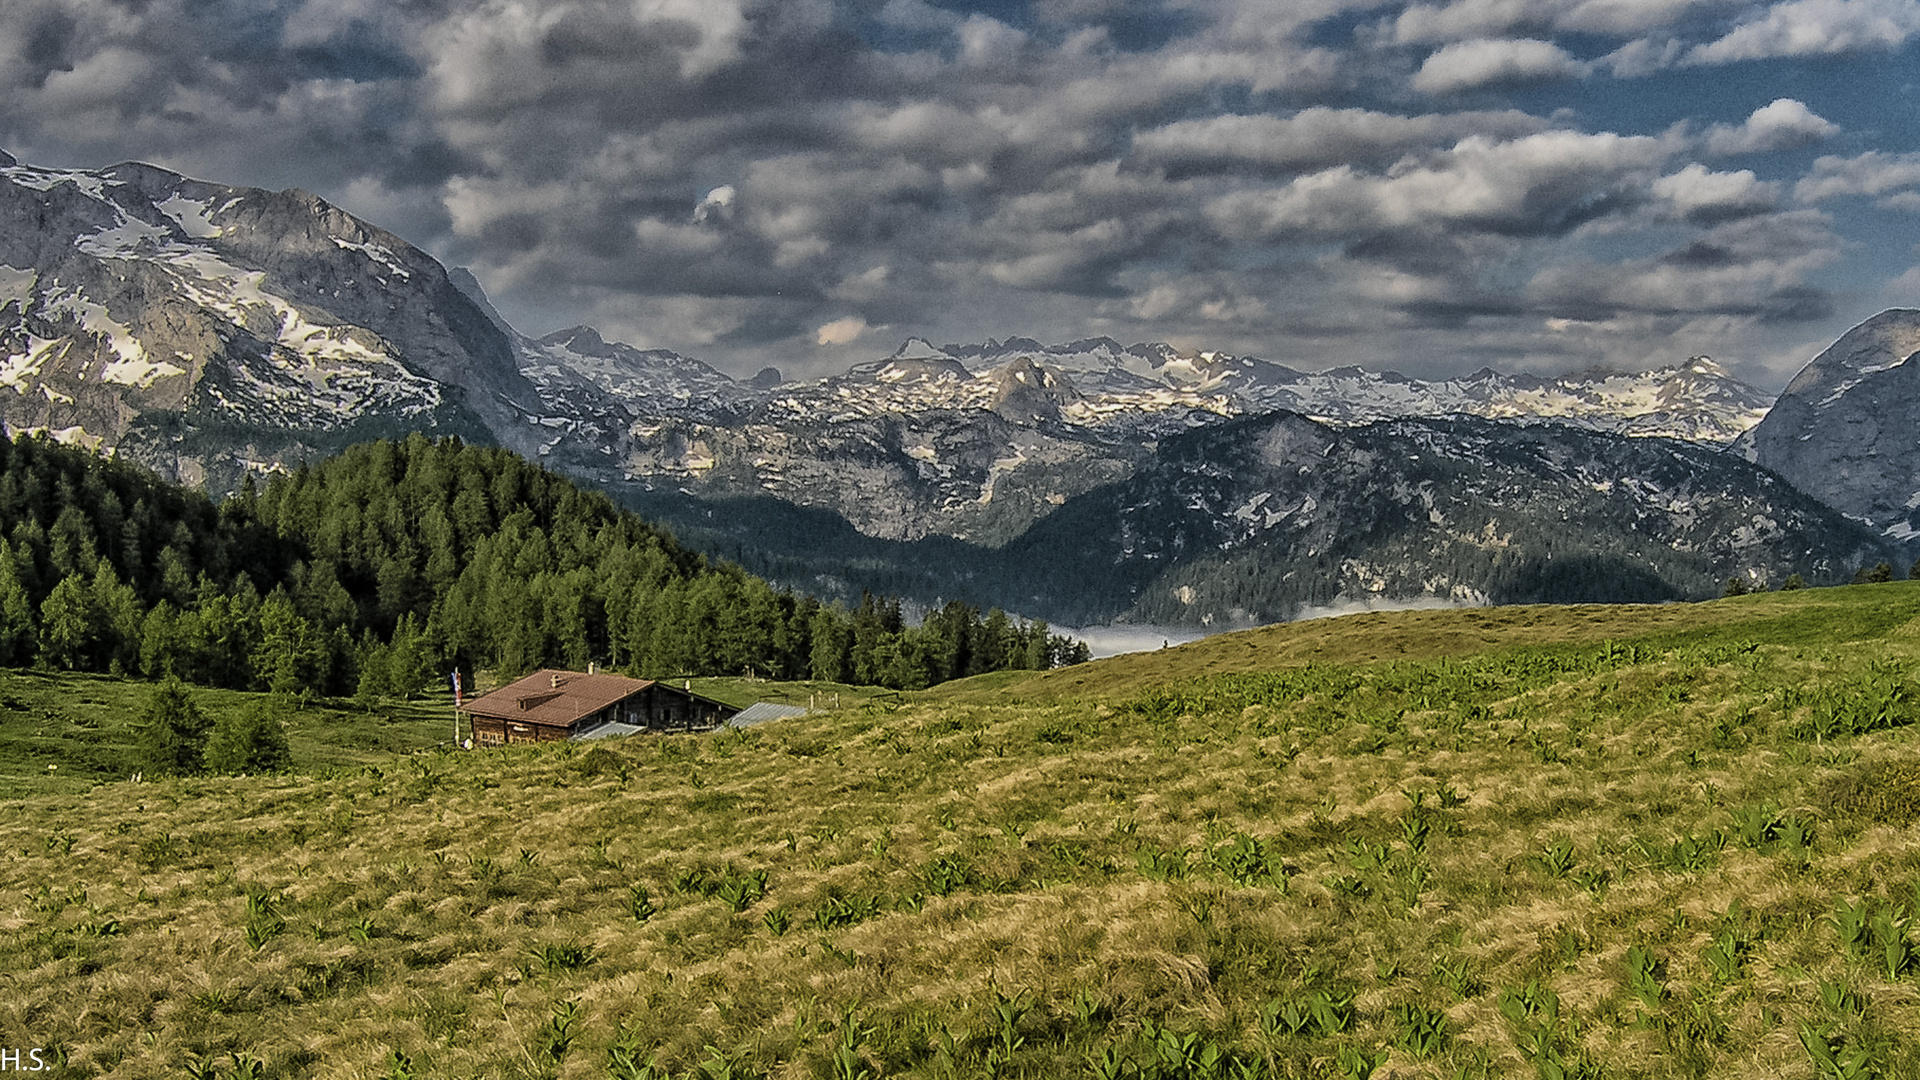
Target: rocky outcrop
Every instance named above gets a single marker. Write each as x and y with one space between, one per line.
1847 428
209 330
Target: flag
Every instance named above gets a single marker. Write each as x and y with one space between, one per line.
456 688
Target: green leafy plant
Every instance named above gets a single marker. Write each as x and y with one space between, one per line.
1353 1063
944 874
562 956
1643 980
555 1037
1160 865
1835 1058
1457 975
1556 859
1245 860
838 911
1315 1013
624 1059
263 919
777 920
1418 1030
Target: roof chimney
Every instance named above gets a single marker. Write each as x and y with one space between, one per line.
554 681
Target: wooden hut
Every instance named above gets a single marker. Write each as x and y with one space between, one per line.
550 705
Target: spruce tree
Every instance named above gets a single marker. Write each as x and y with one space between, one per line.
69 626
291 657
17 629
173 731
251 741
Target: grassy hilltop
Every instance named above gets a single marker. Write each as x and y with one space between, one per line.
1545 842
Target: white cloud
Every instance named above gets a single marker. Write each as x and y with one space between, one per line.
719 24
1756 266
840 331
1905 289
1629 16
1871 173
1465 65
1812 28
1641 57
986 42
1466 19
1698 193
1318 136
717 203
1069 175
1784 124
1541 183
1462 19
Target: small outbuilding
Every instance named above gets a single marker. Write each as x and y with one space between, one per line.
549 705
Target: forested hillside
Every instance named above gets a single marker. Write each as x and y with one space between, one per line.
375 571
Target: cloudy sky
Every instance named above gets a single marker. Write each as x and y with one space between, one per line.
1429 186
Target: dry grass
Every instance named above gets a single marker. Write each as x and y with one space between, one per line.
1164 850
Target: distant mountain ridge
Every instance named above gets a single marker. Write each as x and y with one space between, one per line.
1253 520
213 331
1696 400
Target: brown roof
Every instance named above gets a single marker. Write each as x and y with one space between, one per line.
555 698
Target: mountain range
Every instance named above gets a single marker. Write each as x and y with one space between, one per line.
212 331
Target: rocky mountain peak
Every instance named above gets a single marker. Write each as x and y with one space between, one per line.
584 340
1026 392
918 348
151 307
896 370
1843 428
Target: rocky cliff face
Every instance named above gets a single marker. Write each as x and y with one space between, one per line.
206 330
1847 428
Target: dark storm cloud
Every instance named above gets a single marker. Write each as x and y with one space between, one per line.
801 181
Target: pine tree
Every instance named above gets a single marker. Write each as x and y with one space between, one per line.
17 626
373 683
412 662
251 741
291 657
160 642
69 629
173 731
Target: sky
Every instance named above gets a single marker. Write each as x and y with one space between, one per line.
1429 187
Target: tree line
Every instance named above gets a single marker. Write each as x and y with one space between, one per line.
375 572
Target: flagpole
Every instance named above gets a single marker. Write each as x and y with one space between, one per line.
456 708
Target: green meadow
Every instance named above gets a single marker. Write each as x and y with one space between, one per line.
1532 842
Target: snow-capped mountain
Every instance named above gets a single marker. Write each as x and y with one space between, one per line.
1844 427
1696 400
978 442
209 331
204 329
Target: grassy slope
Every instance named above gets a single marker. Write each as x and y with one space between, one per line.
1449 807
62 732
